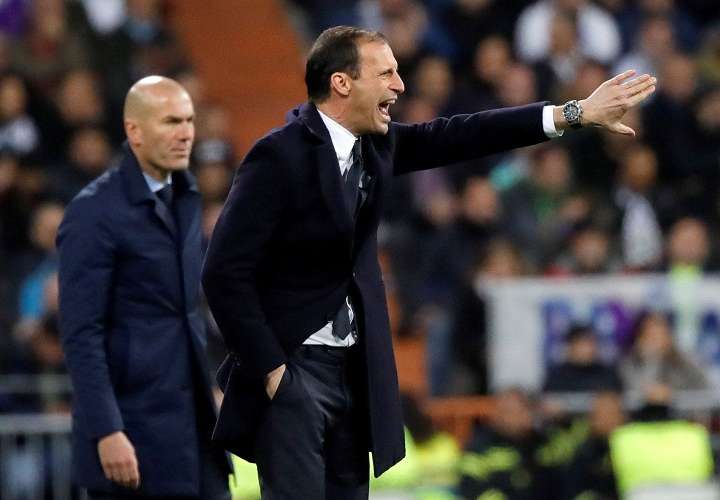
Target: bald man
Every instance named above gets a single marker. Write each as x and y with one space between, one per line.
131 324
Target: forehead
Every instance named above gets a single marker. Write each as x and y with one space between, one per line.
172 104
376 55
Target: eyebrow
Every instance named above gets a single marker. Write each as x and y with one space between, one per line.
176 118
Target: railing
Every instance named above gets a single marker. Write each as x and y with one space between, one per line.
35 458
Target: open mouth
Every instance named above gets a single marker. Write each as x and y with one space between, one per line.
384 108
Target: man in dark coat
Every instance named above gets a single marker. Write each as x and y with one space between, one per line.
130 318
292 276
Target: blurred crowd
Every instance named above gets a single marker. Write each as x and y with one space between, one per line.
589 203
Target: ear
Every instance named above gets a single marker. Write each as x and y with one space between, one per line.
133 132
341 83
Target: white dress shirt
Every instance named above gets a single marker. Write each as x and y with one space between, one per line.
343 141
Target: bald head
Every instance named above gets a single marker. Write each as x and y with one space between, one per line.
159 123
150 92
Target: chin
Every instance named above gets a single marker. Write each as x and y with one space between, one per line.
381 128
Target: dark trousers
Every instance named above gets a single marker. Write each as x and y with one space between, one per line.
313 442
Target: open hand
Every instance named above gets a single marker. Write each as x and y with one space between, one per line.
607 105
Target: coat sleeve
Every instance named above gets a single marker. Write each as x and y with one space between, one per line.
445 141
253 210
87 254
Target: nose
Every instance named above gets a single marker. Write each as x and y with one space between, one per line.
186 132
397 84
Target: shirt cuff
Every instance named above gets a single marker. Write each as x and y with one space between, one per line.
549 123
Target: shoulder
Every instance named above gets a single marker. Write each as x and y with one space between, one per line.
98 199
282 143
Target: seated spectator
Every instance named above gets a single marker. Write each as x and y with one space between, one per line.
479 89
655 42
468 364
590 474
589 252
582 370
561 64
683 27
50 48
540 210
89 154
18 131
500 460
598 35
642 205
654 366
42 262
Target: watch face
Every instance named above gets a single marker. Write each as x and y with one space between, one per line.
571 112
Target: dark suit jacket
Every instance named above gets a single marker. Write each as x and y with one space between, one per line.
131 327
284 255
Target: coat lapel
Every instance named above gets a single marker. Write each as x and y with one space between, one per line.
138 191
188 216
325 157
166 217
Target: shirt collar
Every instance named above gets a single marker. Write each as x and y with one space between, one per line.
154 184
343 140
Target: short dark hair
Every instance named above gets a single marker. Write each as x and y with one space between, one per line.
336 49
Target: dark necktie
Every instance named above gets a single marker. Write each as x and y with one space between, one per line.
352 178
166 195
341 326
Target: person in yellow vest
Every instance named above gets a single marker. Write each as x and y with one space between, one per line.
590 475
500 462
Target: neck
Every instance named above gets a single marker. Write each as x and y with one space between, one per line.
339 112
156 172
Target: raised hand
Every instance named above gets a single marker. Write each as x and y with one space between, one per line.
607 105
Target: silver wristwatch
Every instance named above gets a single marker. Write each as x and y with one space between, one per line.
572 111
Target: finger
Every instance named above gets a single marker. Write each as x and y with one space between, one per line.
107 471
135 475
124 473
640 88
640 96
637 82
618 79
620 128
114 474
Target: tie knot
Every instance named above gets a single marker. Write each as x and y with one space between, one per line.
166 194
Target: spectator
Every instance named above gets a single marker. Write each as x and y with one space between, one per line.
590 474
500 459
581 370
42 262
491 62
89 153
683 26
669 121
655 42
18 131
466 371
637 198
590 251
50 48
598 35
542 210
654 366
